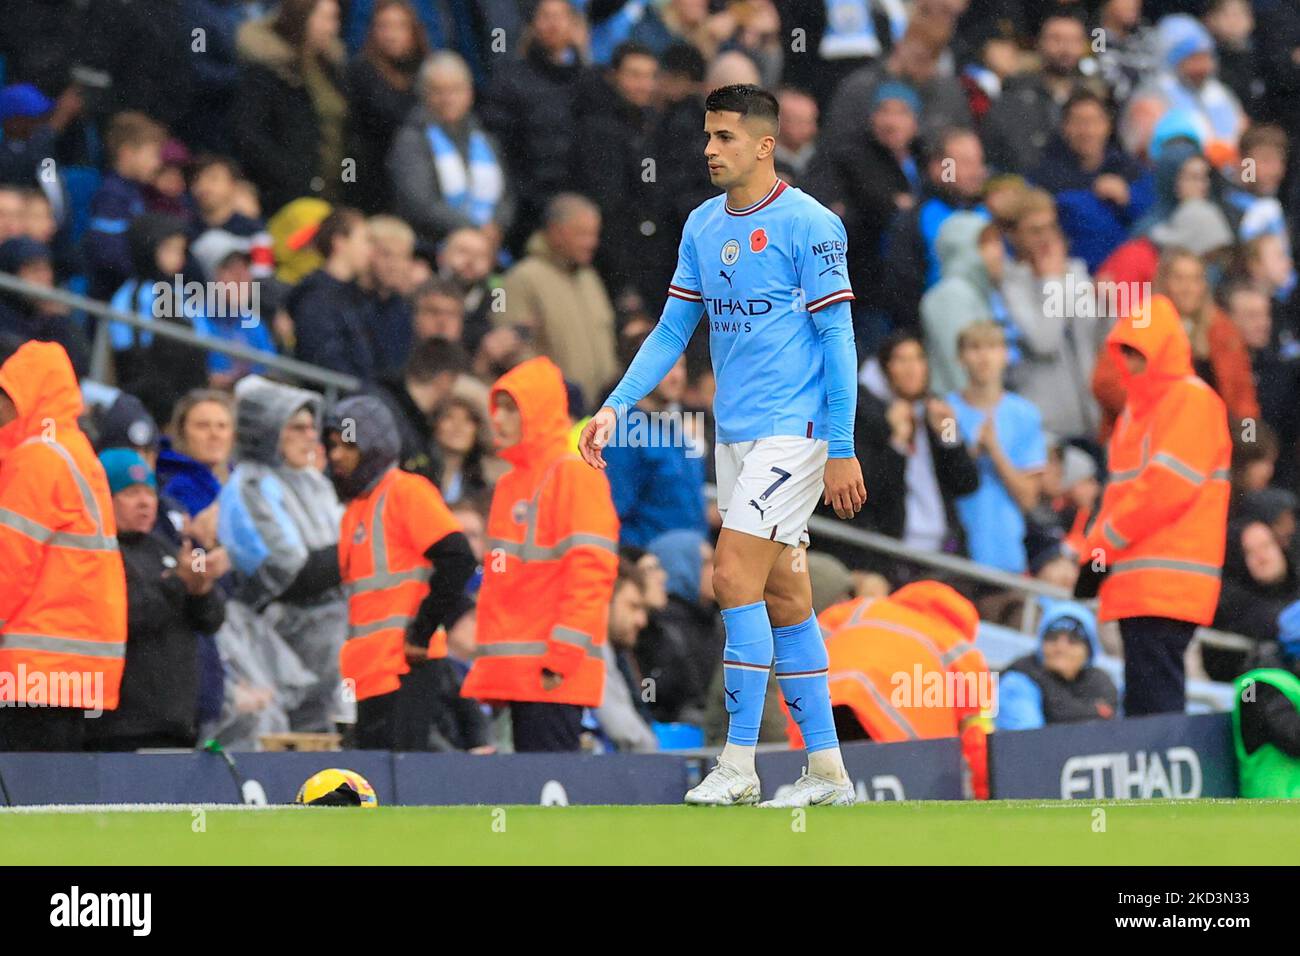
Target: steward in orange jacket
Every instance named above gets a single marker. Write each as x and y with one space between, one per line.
1160 532
907 668
549 570
62 583
403 562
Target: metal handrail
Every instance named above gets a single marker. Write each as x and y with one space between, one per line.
974 571
334 382
330 381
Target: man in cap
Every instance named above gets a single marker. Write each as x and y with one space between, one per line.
170 595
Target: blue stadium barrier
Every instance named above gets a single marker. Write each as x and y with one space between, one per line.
1172 755
913 770
1168 756
929 770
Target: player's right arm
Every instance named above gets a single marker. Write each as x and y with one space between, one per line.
657 355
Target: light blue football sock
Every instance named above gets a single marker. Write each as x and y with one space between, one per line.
746 660
801 670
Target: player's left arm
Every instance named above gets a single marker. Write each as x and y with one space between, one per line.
824 283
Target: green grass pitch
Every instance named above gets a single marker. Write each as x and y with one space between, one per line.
997 832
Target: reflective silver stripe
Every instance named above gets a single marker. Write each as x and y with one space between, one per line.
530 550
82 542
569 635
1113 536
69 539
87 496
526 551
86 647
380 578
380 582
55 539
1221 474
956 652
880 700
578 540
932 647
1167 564
513 648
1116 477
509 547
1180 468
383 624
25 526
860 611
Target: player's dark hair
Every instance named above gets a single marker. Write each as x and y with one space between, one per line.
627 49
431 357
747 100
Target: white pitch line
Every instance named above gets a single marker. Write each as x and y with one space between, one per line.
138 807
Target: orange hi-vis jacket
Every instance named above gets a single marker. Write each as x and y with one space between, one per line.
1161 529
385 571
888 656
62 583
551 561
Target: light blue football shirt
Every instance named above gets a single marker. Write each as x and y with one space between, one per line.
995 525
773 283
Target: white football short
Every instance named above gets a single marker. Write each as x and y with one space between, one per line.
769 487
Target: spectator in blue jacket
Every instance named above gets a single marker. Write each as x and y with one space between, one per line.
1060 682
331 313
134 145
955 175
194 459
226 259
656 465
155 368
1091 179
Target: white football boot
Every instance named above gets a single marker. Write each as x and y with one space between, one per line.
725 786
811 790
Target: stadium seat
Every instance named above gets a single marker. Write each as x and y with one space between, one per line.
679 736
81 182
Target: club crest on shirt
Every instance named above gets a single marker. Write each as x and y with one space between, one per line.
730 252
359 535
519 513
758 240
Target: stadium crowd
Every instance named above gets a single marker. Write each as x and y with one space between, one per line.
1059 215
